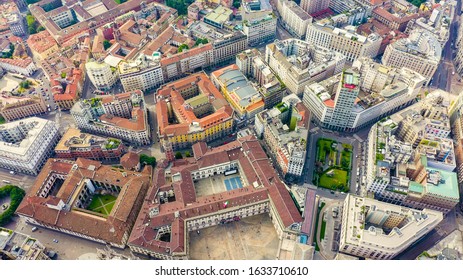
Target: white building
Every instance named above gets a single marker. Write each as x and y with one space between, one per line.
314 6
295 19
345 41
380 231
299 63
25 67
420 52
362 95
144 73
101 74
260 30
25 145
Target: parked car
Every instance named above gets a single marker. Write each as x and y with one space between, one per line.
34 229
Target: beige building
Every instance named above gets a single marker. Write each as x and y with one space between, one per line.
299 63
142 73
376 230
295 19
345 41
314 6
42 45
101 74
15 108
420 52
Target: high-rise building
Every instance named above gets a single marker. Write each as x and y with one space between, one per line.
299 63
259 22
314 6
101 74
345 41
26 145
362 95
376 230
420 52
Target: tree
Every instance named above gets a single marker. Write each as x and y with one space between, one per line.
236 4
147 160
63 75
180 5
16 195
178 155
183 47
201 41
187 154
106 44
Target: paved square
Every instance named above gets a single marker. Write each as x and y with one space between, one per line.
217 184
252 238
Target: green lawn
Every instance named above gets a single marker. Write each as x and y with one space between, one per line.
323 145
333 182
102 204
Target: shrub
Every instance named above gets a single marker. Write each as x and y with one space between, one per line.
16 195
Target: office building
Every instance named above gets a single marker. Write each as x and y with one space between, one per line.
294 19
26 145
314 6
380 231
361 95
343 40
420 52
298 63
143 73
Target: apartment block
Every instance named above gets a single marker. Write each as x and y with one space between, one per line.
380 231
420 52
260 30
15 108
143 73
122 116
295 19
345 41
284 130
361 95
21 66
42 45
102 76
26 145
299 63
314 6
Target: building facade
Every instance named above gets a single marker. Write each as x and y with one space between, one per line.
26 145
102 76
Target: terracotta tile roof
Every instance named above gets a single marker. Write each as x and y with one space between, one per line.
161 40
136 123
255 167
23 63
111 228
186 54
130 160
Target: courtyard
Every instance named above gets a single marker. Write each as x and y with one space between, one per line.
217 184
102 203
333 165
252 238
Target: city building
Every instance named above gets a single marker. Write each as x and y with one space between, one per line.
376 230
294 19
102 76
458 59
26 145
76 144
244 97
299 63
15 108
392 18
143 73
219 17
24 67
182 199
192 110
388 35
253 66
345 41
226 44
284 130
410 159
314 6
17 24
67 87
361 95
420 52
353 12
42 45
61 199
19 246
260 30
122 116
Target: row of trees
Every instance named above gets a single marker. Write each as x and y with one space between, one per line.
32 25
147 160
16 196
8 54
